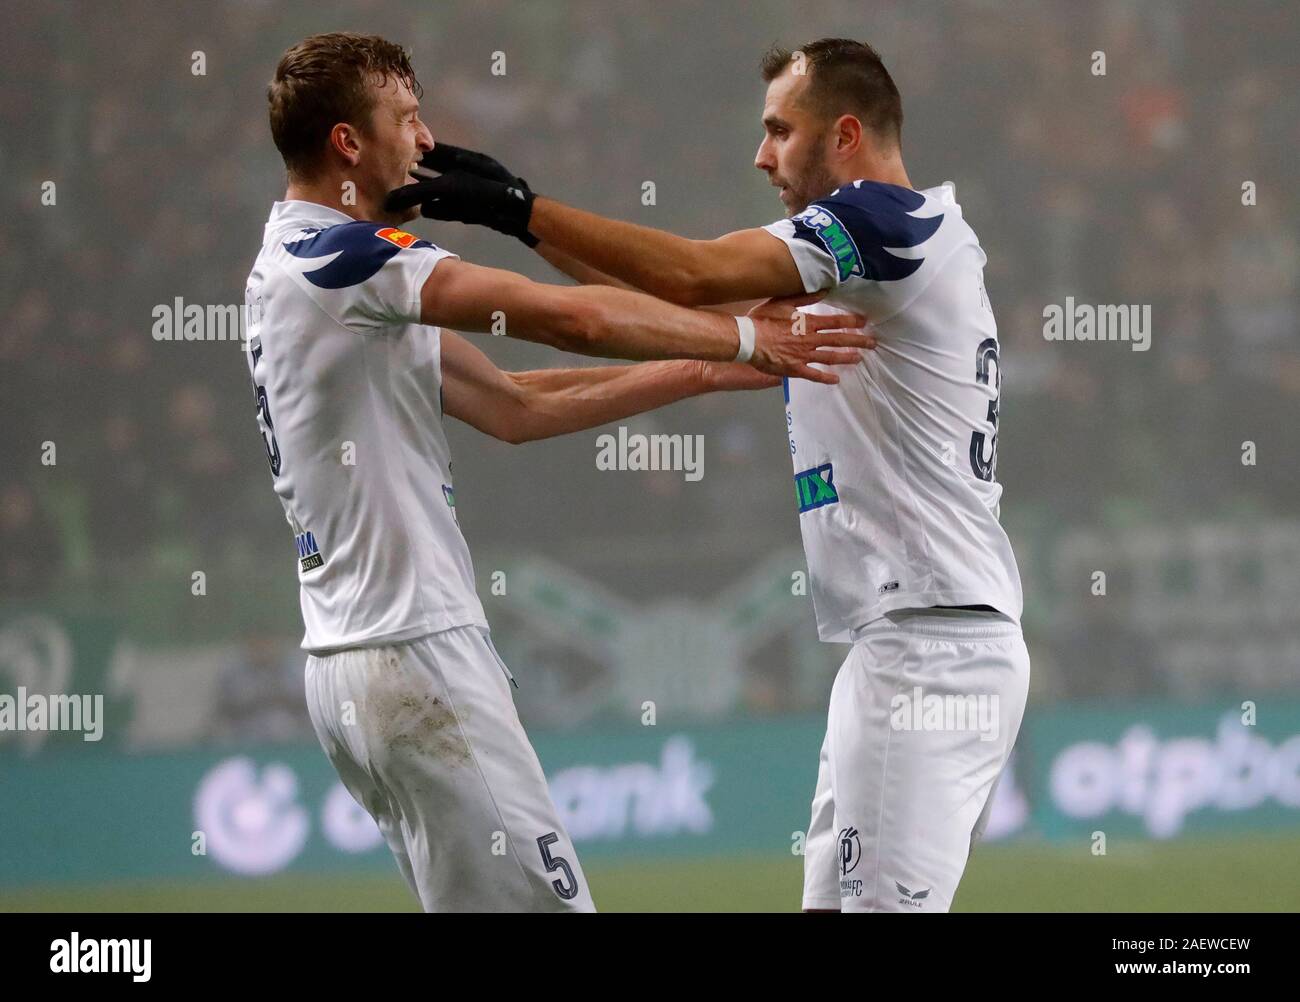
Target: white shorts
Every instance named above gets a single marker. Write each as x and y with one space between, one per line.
923 716
425 736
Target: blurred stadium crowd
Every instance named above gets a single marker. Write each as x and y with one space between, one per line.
1117 189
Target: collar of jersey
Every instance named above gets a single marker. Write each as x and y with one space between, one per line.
296 210
943 193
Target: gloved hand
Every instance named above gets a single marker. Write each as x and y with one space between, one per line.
445 158
467 198
474 188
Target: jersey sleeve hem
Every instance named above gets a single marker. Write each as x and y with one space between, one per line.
421 275
812 270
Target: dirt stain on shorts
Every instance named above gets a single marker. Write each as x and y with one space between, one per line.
404 716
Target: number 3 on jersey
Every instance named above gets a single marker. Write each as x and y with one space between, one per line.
264 410
986 356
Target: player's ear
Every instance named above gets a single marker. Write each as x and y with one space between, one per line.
345 142
848 135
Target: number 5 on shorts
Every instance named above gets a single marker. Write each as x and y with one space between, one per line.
568 887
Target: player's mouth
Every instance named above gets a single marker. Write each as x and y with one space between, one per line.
415 171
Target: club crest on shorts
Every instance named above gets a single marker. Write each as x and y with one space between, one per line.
850 850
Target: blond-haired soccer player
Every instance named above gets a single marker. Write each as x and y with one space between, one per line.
354 374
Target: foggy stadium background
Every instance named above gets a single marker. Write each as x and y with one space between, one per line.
1171 471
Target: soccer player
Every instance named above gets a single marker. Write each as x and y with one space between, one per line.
894 465
354 375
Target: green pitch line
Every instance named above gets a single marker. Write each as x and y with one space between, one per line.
1255 874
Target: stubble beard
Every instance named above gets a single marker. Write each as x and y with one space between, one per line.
811 181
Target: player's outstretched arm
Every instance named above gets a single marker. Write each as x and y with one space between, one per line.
745 265
445 158
525 406
614 323
581 273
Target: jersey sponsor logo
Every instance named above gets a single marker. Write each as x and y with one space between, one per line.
449 496
834 237
309 554
869 221
815 488
350 253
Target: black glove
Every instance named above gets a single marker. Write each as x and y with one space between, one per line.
460 197
445 158
464 202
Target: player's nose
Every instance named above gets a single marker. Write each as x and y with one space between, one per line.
763 159
424 141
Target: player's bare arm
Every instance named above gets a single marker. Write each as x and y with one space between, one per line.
581 273
745 265
584 274
613 323
805 153
520 407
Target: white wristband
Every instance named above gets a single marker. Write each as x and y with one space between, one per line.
746 328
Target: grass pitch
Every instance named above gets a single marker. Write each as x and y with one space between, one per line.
1239 874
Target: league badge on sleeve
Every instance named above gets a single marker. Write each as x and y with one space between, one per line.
349 253
396 236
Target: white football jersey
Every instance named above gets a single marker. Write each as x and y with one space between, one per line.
894 465
349 402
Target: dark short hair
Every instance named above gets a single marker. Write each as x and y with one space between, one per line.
326 79
845 78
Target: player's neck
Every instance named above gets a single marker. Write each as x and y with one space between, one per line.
886 170
329 192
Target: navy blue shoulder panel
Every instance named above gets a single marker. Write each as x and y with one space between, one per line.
855 225
365 248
